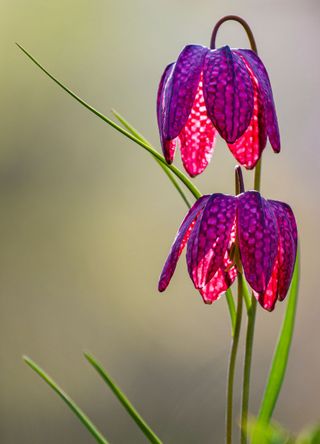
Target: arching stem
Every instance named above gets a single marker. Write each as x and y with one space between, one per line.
238 19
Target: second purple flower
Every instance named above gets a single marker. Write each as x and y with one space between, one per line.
263 231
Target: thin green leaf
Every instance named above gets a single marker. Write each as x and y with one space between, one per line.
193 189
280 358
71 404
152 437
170 176
232 309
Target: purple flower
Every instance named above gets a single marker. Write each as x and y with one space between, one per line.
264 231
208 91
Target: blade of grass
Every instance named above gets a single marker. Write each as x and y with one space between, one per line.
170 176
152 437
193 189
280 358
71 404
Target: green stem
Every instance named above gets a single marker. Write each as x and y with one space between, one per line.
257 176
193 189
247 369
232 309
251 311
232 362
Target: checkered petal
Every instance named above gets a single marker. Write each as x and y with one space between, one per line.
248 148
210 239
164 94
180 242
258 239
228 93
261 74
287 248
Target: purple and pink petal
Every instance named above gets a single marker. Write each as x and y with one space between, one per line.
258 239
180 241
228 93
197 138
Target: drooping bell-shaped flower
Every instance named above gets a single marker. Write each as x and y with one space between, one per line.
263 231
209 91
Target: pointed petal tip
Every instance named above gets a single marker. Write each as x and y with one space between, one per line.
276 148
266 305
168 160
192 173
268 308
249 167
168 149
206 300
161 287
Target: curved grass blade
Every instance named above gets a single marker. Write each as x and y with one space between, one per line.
152 437
193 189
280 358
170 176
71 404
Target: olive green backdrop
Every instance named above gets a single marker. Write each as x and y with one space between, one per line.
87 218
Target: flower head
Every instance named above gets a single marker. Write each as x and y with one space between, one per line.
225 91
263 231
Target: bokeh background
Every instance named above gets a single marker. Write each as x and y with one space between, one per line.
87 218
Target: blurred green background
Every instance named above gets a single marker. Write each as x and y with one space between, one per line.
87 219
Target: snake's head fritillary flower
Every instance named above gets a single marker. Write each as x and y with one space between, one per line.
225 91
264 231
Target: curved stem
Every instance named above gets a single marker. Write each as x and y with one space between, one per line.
232 362
242 22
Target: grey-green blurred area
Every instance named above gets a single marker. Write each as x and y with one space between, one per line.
87 219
